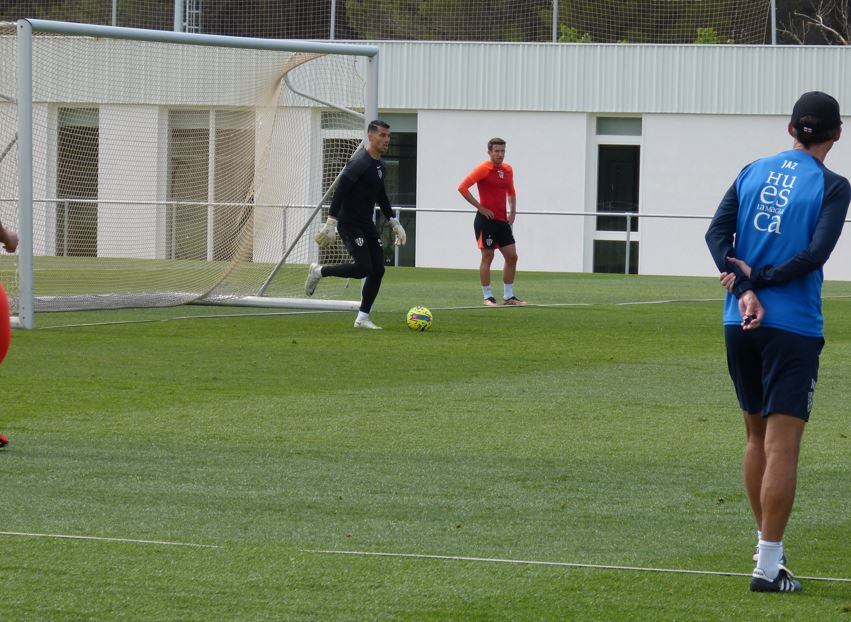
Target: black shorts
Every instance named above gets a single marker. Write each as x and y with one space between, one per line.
773 370
354 235
492 233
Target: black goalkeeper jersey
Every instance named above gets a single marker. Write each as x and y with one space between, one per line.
360 188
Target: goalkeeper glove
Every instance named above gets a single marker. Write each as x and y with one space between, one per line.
328 233
399 231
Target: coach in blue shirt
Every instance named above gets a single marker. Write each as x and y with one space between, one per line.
772 233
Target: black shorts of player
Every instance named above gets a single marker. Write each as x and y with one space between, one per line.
773 370
363 243
492 233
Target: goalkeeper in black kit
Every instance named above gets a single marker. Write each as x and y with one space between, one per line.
360 188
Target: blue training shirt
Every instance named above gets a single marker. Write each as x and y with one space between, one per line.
783 217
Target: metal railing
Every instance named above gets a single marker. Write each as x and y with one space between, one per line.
398 210
628 216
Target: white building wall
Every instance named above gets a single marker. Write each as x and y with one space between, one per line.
285 160
707 111
608 78
128 167
547 152
689 162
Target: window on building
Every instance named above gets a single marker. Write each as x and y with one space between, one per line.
401 185
609 256
617 185
618 166
76 181
189 153
211 163
233 183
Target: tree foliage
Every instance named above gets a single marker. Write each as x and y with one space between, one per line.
662 21
813 22
85 11
567 34
449 20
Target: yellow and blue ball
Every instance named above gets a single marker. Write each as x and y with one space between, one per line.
419 319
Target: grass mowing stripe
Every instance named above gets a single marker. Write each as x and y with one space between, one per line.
104 539
530 562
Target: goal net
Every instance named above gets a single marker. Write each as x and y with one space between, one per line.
166 172
601 21
665 21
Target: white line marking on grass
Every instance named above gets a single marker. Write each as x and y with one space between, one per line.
496 560
545 305
130 540
602 304
542 305
666 302
187 317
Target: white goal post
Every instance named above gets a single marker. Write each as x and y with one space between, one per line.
158 168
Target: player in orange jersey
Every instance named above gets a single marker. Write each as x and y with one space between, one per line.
494 180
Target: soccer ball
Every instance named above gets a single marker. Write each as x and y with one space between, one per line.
419 319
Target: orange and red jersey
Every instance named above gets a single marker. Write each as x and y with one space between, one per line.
5 325
494 183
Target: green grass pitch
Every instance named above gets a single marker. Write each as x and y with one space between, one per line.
590 432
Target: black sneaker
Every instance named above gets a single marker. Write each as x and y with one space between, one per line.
3 441
756 556
783 582
490 302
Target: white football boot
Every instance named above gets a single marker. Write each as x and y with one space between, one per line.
366 323
314 273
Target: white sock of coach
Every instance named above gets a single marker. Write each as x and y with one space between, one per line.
769 558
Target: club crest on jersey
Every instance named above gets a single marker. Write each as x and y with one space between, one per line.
501 173
380 173
359 241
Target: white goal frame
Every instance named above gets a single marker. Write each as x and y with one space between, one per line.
25 30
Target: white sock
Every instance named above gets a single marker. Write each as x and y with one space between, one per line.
759 534
362 316
486 291
508 288
769 558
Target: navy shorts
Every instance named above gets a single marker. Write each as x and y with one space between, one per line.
773 370
492 233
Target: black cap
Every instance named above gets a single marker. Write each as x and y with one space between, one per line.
822 112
